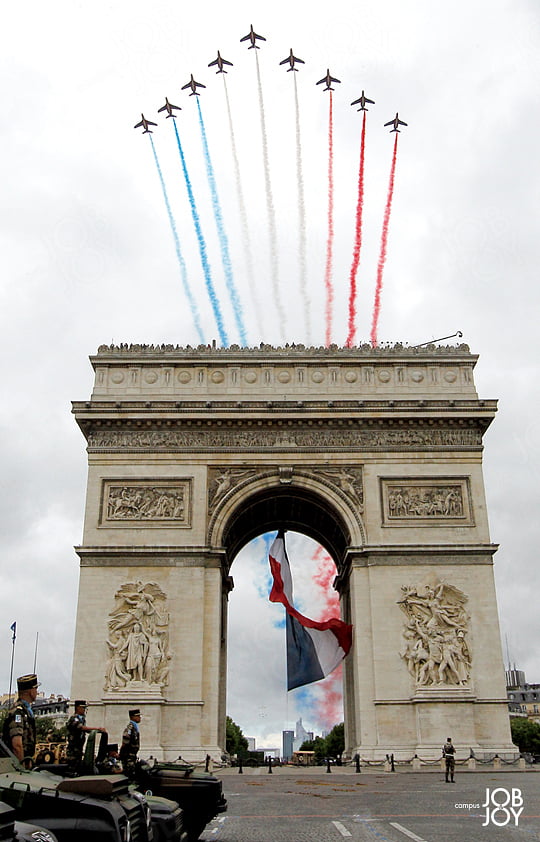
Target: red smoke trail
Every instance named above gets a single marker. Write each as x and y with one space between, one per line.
358 240
330 240
329 707
323 579
382 255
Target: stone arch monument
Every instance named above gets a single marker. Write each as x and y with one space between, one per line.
374 453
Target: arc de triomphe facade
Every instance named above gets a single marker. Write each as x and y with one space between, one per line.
374 453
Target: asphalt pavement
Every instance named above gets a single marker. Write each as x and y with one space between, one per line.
303 805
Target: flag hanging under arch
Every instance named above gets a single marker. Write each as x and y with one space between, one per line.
314 648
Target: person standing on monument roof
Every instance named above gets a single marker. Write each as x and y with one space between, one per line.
77 730
19 729
131 741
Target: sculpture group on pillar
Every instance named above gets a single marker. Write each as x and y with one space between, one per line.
138 639
436 650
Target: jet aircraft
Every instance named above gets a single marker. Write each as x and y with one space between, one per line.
193 85
328 81
220 62
168 107
145 123
291 59
362 100
252 36
395 123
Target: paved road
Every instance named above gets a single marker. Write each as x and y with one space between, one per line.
376 807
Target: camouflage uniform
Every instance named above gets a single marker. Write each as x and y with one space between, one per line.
111 764
449 751
20 722
130 748
76 738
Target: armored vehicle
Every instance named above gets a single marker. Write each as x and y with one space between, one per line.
13 831
199 794
90 808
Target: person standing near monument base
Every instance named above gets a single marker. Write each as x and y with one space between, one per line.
449 753
130 744
19 729
77 730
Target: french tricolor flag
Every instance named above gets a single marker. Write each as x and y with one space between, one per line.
313 649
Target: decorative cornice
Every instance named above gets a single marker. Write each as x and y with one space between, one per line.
421 554
149 556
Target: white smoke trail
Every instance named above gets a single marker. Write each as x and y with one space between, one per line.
274 264
246 240
302 245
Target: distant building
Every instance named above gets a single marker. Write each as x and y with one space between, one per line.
54 706
251 743
301 735
523 698
288 742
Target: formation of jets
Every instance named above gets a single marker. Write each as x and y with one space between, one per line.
362 100
328 81
252 36
193 85
291 60
395 123
219 61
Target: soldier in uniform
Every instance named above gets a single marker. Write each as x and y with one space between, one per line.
111 765
130 744
77 730
19 730
449 752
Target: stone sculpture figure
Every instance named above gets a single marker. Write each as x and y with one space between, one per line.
138 639
436 649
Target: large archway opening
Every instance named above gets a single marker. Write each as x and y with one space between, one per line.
316 540
257 697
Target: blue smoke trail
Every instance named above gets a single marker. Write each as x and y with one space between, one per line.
202 246
183 271
225 257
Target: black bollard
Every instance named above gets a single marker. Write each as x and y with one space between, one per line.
207 763
269 765
328 769
357 762
240 770
393 768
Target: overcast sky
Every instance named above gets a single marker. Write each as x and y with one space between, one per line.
88 256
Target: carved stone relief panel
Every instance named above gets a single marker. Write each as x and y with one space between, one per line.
223 480
138 639
426 502
348 480
250 439
155 503
436 649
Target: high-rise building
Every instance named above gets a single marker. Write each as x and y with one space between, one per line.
288 740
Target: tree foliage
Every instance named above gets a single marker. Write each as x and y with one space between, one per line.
47 731
235 742
332 745
525 734
335 741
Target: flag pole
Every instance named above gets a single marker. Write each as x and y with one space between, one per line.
13 629
35 652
